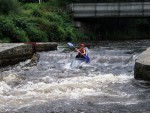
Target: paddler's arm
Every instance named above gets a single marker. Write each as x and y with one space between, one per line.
80 52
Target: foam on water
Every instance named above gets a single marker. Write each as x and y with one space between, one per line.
68 88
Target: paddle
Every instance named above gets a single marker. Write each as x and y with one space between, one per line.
86 57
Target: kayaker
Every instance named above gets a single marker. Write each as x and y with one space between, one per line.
81 51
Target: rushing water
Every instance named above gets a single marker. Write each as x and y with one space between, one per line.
106 85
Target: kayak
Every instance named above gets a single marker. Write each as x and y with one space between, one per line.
77 62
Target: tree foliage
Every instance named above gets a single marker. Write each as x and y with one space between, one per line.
35 22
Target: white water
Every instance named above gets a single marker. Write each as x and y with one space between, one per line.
51 85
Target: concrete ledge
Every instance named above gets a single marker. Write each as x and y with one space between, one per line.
12 53
142 66
45 47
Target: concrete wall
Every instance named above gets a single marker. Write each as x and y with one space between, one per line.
12 53
132 9
142 66
45 47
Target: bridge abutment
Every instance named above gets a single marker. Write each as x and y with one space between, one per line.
142 66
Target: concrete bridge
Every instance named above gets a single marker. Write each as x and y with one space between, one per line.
96 10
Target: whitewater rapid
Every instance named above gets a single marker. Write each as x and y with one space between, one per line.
106 84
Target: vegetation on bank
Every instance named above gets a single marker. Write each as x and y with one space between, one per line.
24 22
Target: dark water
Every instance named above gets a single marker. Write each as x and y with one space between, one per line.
106 85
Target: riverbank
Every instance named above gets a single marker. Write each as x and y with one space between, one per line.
12 53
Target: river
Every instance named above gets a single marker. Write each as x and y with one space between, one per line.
106 85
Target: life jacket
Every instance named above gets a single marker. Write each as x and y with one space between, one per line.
82 51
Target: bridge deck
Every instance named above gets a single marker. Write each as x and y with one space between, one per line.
133 9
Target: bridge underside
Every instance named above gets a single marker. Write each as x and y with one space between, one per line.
114 28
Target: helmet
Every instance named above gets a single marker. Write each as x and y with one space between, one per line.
82 45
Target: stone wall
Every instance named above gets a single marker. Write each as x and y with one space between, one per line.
12 53
142 66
